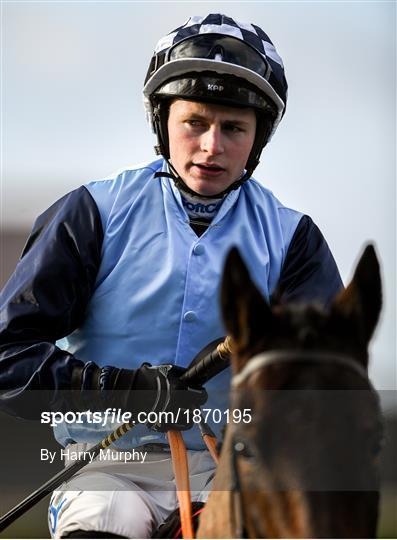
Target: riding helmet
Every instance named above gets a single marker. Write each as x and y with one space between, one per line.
217 59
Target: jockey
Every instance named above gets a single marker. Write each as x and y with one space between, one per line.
117 287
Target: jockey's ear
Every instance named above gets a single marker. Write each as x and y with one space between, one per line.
245 312
361 301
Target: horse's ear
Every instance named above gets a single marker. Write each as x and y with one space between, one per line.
362 299
245 311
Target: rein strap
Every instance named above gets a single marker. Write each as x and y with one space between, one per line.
181 472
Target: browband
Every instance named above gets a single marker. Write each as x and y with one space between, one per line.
275 357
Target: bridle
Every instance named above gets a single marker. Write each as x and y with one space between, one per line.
238 446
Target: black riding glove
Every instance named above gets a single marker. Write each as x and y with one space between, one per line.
148 389
160 391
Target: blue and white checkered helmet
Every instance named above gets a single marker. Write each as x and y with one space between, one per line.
217 59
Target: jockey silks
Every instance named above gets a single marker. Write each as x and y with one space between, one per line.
116 268
156 297
200 208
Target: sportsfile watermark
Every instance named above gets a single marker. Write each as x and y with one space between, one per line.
117 416
69 455
322 440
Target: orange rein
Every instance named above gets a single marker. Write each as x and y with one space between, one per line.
181 472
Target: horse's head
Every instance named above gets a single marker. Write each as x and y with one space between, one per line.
307 460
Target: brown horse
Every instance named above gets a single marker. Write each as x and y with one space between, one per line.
305 466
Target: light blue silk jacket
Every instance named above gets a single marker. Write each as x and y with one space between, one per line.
156 297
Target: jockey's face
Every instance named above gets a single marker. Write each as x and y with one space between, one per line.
209 144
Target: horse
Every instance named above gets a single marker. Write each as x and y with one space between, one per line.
306 464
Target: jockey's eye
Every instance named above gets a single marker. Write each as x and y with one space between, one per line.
232 128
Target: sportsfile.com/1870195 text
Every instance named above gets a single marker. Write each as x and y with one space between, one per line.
117 416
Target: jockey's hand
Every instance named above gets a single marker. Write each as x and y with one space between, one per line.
159 390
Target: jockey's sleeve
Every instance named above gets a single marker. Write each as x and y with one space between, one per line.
45 300
309 272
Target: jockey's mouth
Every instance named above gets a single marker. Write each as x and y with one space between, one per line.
211 168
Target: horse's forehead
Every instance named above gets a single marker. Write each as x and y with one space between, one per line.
299 315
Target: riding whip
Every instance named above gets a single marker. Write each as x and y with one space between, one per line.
201 372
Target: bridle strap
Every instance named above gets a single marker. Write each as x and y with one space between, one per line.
256 363
265 359
237 514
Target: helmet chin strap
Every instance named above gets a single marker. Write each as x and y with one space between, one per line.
180 184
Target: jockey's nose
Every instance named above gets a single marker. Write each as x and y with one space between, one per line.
212 141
